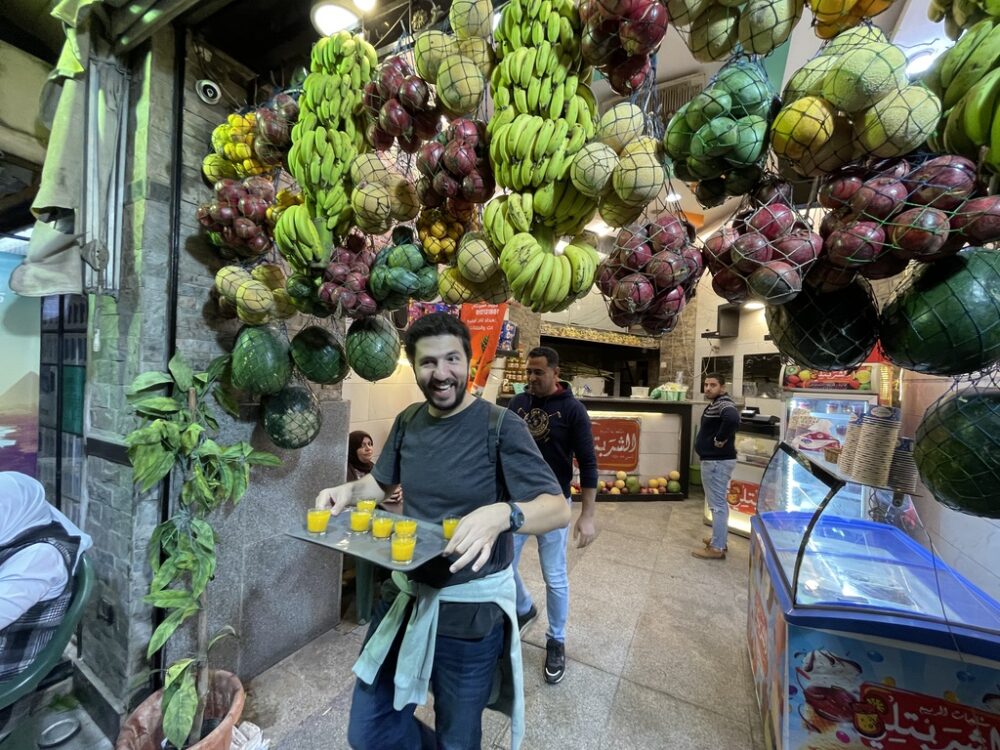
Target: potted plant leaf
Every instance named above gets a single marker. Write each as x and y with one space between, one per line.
176 440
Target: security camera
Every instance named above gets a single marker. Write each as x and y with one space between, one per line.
208 91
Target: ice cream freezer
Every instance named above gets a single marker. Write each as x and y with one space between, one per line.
859 636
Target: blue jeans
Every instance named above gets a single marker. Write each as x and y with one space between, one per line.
715 479
552 557
461 681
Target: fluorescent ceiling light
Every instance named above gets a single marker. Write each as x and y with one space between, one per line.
921 61
329 17
753 305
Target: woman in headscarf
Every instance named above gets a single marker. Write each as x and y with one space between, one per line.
39 551
360 450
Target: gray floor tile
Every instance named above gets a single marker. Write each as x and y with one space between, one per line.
619 582
627 549
644 719
598 632
279 700
324 730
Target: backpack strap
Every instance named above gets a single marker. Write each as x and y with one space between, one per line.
497 413
404 418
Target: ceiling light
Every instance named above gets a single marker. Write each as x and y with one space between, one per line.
560 246
921 61
753 305
365 6
329 17
496 20
672 196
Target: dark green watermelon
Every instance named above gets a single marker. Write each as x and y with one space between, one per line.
832 331
291 417
373 347
947 321
260 361
957 451
319 355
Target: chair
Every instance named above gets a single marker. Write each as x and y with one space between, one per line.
25 683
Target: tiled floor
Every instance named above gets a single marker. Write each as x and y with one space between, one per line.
656 651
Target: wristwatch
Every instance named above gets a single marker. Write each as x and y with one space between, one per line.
516 517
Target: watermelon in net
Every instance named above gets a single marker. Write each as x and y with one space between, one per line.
319 355
260 361
957 451
947 320
291 417
832 331
373 347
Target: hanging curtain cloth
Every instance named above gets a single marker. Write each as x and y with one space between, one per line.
85 105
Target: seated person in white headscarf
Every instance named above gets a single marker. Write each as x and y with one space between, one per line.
39 551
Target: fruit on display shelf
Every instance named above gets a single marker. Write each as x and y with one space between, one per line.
715 28
541 278
331 127
319 355
850 101
399 108
237 217
455 171
835 16
719 138
291 417
957 450
619 38
260 360
966 77
826 331
373 347
624 483
651 274
946 320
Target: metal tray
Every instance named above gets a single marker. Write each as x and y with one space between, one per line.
430 541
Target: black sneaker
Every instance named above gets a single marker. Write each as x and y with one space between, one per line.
555 661
524 620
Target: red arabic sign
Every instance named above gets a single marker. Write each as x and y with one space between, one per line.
616 443
742 496
891 718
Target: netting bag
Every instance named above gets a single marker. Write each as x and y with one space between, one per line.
830 17
291 417
457 68
766 251
957 447
239 215
651 273
622 41
400 107
945 320
719 138
373 347
455 171
715 30
826 330
273 128
850 101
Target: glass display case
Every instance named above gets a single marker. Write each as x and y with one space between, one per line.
860 636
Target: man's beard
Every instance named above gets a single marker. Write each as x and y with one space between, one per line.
430 393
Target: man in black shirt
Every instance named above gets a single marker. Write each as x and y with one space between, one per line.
716 447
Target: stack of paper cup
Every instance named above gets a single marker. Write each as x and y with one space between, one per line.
873 455
903 470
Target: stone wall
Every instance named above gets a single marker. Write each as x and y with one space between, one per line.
677 347
276 592
528 324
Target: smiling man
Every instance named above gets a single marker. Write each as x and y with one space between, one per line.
454 621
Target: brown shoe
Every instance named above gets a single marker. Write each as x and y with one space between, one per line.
709 553
707 541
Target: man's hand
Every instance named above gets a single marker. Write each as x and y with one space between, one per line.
719 443
476 534
336 498
585 530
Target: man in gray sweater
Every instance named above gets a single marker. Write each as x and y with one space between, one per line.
716 447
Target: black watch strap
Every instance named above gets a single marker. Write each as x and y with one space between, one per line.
516 517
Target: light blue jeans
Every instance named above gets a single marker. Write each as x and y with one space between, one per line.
552 557
715 479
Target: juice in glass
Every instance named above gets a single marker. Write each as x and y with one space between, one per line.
360 520
368 505
406 527
317 520
381 527
448 526
402 548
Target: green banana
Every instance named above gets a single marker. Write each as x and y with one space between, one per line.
980 108
982 59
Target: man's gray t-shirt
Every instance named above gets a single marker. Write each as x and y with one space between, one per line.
445 470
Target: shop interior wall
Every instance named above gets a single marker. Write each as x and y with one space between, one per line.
969 544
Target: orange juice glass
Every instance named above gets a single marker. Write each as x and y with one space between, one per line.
368 505
402 548
381 527
448 526
317 520
406 527
360 521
